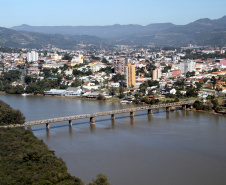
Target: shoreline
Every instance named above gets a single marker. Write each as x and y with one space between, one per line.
106 100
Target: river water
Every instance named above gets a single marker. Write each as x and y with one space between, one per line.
180 147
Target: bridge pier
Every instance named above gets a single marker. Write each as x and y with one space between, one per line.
167 109
131 114
70 123
150 111
184 107
112 117
92 120
47 126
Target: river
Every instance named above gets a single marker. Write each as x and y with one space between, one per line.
180 147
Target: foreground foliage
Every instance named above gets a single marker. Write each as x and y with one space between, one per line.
27 160
9 115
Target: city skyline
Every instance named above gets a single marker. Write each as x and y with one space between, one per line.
102 13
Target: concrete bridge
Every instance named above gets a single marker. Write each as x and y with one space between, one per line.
168 106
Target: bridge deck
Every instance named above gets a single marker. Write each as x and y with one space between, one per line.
112 112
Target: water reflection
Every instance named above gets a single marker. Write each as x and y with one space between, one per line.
113 123
47 133
132 121
70 130
184 112
167 115
92 128
150 117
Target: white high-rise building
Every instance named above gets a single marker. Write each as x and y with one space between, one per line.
32 56
187 65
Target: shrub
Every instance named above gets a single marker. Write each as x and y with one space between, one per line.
9 115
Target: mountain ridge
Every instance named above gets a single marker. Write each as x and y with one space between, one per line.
200 32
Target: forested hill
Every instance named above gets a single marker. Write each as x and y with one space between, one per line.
201 32
24 39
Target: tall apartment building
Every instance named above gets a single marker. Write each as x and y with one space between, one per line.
187 65
156 74
130 75
32 56
119 65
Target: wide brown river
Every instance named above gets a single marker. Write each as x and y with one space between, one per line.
176 148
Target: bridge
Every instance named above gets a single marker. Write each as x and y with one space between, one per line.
168 106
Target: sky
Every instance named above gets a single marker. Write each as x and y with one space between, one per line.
107 12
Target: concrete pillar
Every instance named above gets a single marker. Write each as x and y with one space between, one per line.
70 123
92 120
47 126
112 117
183 107
150 111
167 109
131 114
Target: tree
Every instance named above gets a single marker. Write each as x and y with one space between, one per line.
104 60
67 57
101 97
100 180
12 75
77 82
47 72
112 91
117 77
198 85
121 92
180 83
213 81
9 115
27 79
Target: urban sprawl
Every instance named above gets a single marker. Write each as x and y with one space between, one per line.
125 73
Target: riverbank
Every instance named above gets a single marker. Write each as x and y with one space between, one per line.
113 99
22 153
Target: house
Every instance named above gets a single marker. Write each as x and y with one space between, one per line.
115 84
59 92
16 83
92 94
168 91
73 91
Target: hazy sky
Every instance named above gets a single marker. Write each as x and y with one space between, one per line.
107 12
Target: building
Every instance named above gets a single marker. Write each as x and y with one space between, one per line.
187 65
78 59
176 72
119 65
130 75
156 74
32 56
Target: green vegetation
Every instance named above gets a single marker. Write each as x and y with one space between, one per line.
118 77
9 115
85 72
10 50
27 160
166 69
100 180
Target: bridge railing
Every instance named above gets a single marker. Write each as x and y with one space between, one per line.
82 116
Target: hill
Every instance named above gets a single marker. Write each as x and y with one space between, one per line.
109 32
24 39
200 32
